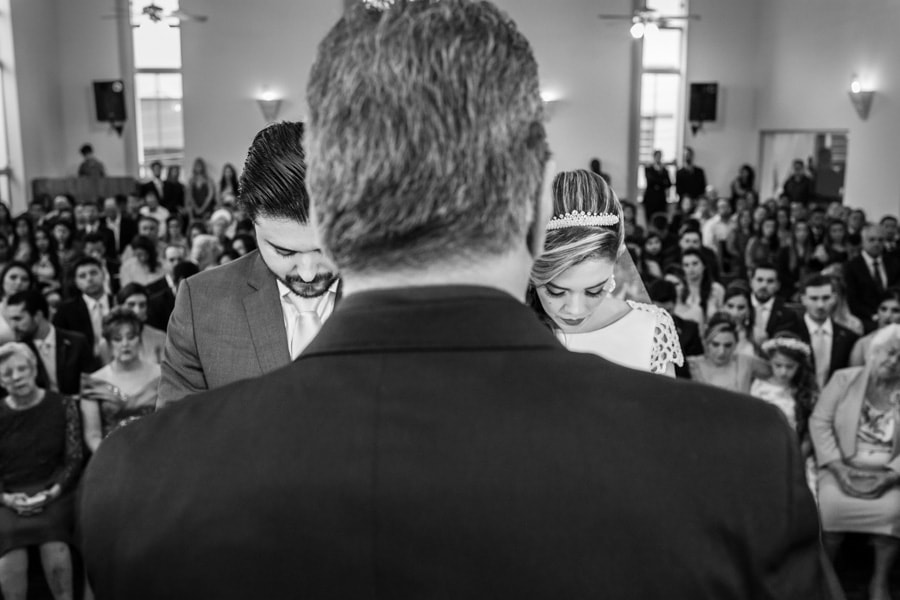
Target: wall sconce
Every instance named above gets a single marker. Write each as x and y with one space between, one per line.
862 100
269 103
550 99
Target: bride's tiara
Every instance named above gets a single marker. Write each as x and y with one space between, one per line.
583 219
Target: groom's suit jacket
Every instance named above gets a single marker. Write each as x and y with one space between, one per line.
227 325
441 443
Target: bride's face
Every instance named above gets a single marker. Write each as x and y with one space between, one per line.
573 297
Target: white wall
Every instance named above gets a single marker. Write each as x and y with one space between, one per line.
722 47
809 50
34 101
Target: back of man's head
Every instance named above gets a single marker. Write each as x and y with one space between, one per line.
273 183
33 302
426 138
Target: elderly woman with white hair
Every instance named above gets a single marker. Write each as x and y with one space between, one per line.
855 429
40 460
205 251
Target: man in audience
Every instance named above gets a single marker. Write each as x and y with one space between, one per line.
154 182
95 245
435 440
831 343
84 313
770 313
274 299
90 166
718 229
799 186
817 225
162 292
663 294
87 220
868 275
690 180
173 190
122 226
691 239
64 354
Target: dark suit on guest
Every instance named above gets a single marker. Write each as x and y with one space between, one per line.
73 315
783 318
109 239
440 442
690 182
842 341
160 303
173 196
658 184
690 340
74 356
127 230
863 293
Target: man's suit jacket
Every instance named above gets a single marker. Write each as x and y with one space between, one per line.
862 291
783 318
173 196
227 325
160 303
127 231
842 342
73 315
74 356
441 443
690 182
691 343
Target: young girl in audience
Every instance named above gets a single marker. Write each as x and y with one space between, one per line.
792 388
739 307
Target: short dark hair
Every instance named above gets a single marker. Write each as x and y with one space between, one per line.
129 290
156 163
86 261
142 242
153 220
183 270
34 302
815 280
93 238
767 266
273 183
886 218
86 149
662 291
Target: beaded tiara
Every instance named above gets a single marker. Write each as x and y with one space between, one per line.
788 343
583 219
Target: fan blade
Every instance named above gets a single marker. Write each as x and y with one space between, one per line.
185 16
678 17
616 17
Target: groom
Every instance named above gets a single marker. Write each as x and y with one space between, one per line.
435 440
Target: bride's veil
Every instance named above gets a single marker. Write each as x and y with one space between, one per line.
629 285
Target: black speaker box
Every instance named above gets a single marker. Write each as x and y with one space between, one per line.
704 97
109 100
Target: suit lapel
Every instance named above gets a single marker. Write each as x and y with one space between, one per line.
265 318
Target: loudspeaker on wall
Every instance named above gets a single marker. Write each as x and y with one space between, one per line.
704 98
109 100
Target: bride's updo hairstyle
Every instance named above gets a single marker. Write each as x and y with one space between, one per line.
572 240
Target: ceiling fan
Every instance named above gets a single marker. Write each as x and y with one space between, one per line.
646 20
156 14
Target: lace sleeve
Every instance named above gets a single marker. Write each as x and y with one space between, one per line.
666 347
67 474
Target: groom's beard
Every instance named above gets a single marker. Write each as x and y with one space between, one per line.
310 289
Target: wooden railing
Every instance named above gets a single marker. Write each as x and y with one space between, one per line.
83 188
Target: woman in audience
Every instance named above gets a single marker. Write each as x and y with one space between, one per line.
651 257
763 248
175 233
794 258
23 249
195 229
759 215
888 314
743 186
701 297
205 251
45 264
841 313
739 307
123 390
740 236
40 459
67 250
228 185
720 365
143 266
15 277
853 429
135 298
572 282
834 249
243 244
201 192
783 218
7 224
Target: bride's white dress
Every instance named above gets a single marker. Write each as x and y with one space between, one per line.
645 339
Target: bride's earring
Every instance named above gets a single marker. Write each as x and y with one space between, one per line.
611 287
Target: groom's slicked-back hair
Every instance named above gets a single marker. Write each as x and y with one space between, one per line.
426 135
273 183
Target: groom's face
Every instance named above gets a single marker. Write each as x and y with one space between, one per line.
290 250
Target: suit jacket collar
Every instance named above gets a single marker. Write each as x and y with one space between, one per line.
262 306
431 318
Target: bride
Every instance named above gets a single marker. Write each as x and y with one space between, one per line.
573 281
